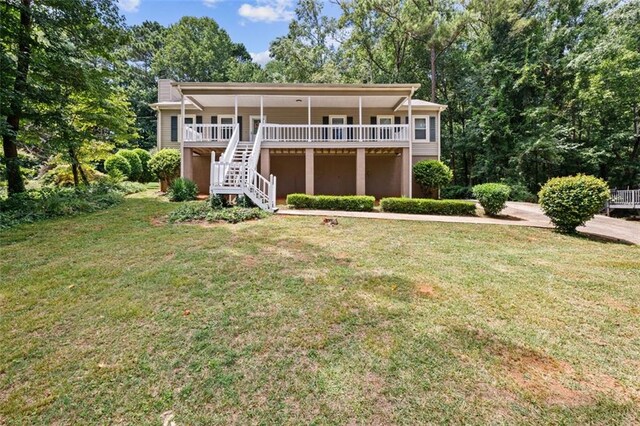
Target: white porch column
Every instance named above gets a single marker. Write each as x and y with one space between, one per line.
187 160
360 172
308 118
265 162
309 173
360 118
406 172
235 111
411 134
261 109
181 134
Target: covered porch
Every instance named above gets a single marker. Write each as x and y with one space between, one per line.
362 115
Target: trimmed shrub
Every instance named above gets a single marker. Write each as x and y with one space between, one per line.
119 163
144 157
354 203
428 206
182 189
456 192
492 196
165 165
134 163
431 174
573 200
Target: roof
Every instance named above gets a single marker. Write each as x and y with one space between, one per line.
174 104
209 88
418 104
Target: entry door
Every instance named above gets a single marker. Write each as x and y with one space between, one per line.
255 123
336 121
385 132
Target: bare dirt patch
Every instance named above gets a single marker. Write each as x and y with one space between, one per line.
426 290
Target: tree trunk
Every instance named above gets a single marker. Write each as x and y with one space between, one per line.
433 74
9 139
74 169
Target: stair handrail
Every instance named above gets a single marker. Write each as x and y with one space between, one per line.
252 161
227 155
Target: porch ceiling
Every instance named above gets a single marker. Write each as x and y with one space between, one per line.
298 101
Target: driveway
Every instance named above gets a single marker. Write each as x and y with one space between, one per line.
530 215
600 225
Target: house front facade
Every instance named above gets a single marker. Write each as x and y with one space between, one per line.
270 140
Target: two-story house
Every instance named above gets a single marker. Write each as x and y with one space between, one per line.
269 140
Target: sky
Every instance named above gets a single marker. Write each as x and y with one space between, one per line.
255 23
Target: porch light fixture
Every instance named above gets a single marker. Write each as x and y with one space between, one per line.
298 100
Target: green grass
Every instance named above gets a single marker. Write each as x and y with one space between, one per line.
115 317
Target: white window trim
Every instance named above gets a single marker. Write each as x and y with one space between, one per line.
331 117
392 117
426 135
191 116
231 116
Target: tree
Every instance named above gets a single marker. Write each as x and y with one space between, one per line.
135 75
197 49
45 47
308 52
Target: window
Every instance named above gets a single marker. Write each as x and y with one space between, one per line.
420 128
432 128
174 128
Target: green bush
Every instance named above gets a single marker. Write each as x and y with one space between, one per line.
355 203
62 175
236 214
134 164
127 187
428 206
573 200
197 210
492 196
165 164
218 201
52 202
144 157
456 192
244 201
201 210
182 189
431 174
520 192
117 164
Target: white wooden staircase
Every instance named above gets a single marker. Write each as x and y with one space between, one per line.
236 172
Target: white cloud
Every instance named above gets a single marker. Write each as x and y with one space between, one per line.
210 3
267 11
129 5
260 58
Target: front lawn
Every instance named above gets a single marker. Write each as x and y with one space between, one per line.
116 317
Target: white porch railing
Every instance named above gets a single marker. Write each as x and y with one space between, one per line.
329 132
208 132
625 197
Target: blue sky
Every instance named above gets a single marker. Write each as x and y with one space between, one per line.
252 22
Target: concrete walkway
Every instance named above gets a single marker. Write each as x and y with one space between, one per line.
525 214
